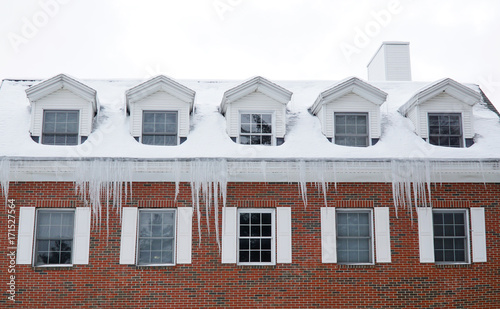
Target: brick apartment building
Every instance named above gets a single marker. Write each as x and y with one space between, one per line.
187 194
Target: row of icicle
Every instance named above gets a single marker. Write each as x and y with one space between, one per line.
104 184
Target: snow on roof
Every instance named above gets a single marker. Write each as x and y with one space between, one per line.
208 138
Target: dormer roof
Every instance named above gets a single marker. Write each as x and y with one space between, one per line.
160 83
346 86
62 81
256 84
446 85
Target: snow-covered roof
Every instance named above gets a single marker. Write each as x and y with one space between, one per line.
349 85
447 85
207 138
160 83
259 84
62 81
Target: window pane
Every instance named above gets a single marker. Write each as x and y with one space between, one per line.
445 130
156 237
54 237
255 237
245 118
354 236
256 129
351 129
449 236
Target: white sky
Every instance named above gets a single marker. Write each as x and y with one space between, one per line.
238 39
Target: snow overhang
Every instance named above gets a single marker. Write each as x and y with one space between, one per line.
62 81
256 84
346 86
160 83
446 85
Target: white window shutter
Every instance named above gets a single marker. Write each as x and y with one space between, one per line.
82 236
478 234
284 235
184 234
328 235
25 235
425 234
129 234
382 235
229 225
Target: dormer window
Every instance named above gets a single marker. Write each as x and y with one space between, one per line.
60 127
159 111
442 113
256 129
351 129
62 111
445 129
349 113
159 128
255 112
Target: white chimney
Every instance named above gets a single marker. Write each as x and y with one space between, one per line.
391 62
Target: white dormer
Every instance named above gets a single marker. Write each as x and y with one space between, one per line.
349 112
442 113
256 112
159 111
62 111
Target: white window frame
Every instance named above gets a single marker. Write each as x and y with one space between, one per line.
177 139
273 235
445 113
174 245
371 229
78 136
367 114
467 235
35 250
273 125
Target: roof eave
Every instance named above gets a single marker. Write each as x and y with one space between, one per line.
448 85
157 83
260 84
62 81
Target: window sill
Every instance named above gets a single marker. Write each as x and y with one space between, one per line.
356 265
461 265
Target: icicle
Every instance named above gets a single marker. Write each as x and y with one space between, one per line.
4 178
205 175
408 176
177 175
303 181
103 179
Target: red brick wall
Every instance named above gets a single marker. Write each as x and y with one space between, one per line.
404 283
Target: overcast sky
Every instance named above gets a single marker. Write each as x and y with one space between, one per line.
238 39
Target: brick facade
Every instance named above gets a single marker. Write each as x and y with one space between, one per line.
306 282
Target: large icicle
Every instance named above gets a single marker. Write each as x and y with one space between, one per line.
408 176
103 179
4 177
206 176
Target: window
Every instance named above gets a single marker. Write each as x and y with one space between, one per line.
351 129
354 237
256 236
156 237
256 129
450 236
159 128
445 130
60 127
54 237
